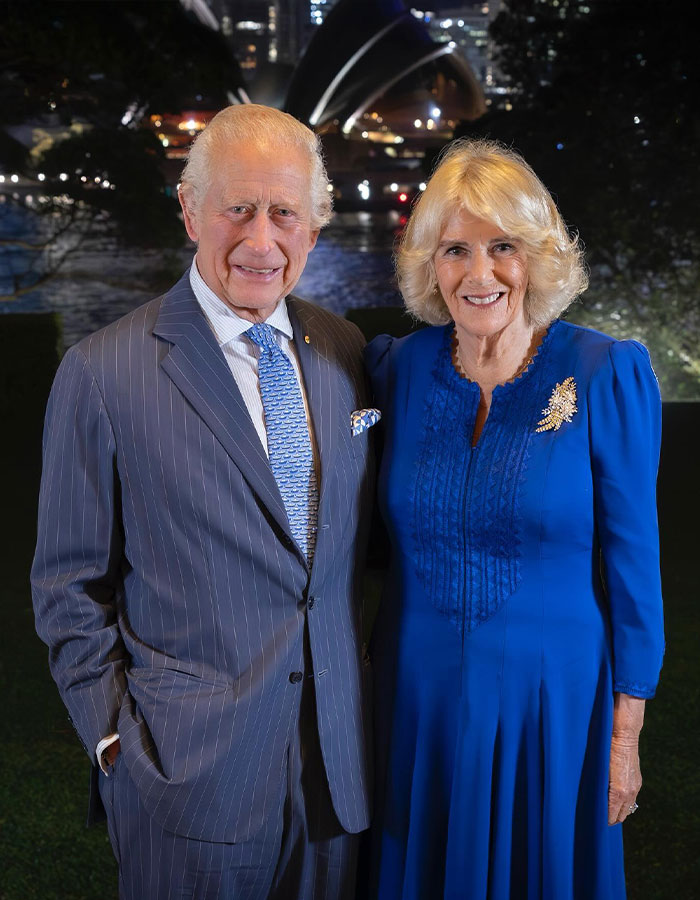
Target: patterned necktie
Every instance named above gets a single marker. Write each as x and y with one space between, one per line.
288 442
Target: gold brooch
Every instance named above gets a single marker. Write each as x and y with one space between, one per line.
561 407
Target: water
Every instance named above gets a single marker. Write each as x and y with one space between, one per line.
350 267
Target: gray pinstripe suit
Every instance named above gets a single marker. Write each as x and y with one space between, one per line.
166 582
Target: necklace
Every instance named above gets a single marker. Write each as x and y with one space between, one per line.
459 368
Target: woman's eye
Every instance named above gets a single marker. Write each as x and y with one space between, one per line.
454 251
504 247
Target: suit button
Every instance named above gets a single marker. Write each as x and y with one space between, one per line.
295 677
312 602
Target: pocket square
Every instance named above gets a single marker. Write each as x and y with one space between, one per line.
362 419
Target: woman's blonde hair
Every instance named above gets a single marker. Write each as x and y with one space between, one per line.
493 183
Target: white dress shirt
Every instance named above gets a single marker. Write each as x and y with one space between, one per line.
242 354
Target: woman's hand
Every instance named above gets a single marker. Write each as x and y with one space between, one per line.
625 774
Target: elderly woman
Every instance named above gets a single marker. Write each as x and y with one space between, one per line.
523 628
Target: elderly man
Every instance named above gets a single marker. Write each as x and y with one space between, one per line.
203 517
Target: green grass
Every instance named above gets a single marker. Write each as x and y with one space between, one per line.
47 852
45 849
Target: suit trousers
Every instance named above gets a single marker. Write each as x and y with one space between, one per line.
300 853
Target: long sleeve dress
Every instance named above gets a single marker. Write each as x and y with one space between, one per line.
524 591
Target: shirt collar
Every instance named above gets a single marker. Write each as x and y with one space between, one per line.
224 322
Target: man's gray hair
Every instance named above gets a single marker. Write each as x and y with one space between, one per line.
267 128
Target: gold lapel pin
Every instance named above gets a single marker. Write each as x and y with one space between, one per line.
307 339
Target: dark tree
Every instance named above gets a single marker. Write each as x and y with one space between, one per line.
96 60
97 69
604 108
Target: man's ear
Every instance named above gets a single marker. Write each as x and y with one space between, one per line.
184 195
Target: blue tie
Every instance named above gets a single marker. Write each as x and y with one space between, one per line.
288 442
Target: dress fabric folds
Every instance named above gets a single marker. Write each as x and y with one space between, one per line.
524 590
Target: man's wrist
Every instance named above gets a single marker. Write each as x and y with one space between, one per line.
107 751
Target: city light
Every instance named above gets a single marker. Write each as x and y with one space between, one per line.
393 186
436 112
403 196
63 176
422 186
2 179
41 176
364 190
15 178
418 123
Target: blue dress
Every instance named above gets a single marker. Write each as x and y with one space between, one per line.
524 590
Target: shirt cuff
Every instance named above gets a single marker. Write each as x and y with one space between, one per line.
100 749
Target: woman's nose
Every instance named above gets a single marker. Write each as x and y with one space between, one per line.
480 266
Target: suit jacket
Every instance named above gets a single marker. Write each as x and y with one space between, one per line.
167 583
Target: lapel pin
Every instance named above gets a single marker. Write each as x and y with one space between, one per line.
307 339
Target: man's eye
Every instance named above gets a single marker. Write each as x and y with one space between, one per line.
283 211
237 210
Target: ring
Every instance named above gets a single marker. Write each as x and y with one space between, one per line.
634 808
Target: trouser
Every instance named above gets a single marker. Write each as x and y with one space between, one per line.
300 853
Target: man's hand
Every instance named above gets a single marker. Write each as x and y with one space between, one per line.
625 774
112 752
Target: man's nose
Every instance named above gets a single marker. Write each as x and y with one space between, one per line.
258 234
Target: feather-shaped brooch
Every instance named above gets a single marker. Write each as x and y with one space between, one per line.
561 406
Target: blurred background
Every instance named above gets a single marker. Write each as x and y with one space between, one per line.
99 102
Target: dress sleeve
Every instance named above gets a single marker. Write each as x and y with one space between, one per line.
377 356
625 434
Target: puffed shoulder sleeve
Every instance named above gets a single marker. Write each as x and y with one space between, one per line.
377 359
625 431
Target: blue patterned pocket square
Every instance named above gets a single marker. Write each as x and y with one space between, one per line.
362 419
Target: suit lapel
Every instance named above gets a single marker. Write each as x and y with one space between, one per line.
199 369
320 380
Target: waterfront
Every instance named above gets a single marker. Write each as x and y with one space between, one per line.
351 267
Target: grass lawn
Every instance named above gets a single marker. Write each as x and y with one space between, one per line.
45 850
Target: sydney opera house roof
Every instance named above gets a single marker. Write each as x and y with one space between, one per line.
373 60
